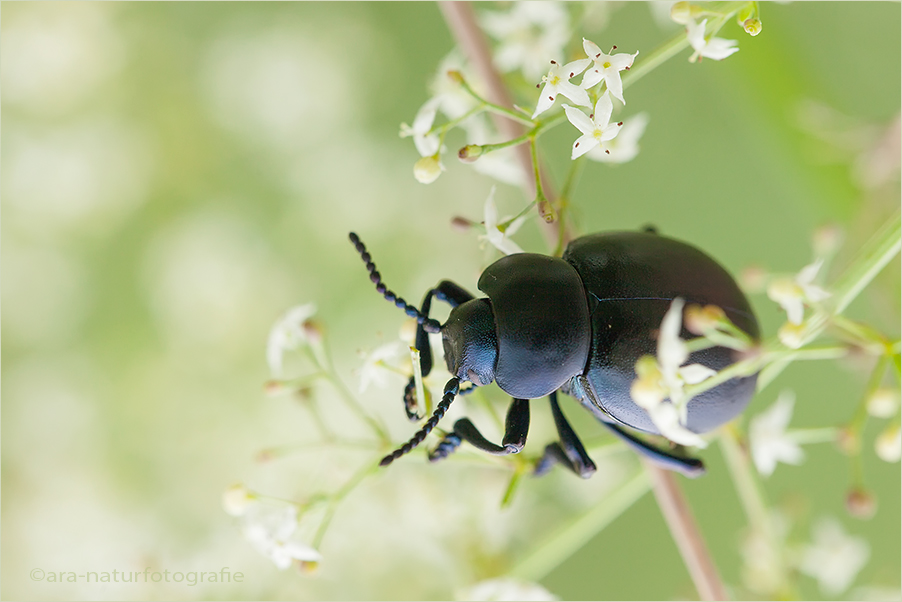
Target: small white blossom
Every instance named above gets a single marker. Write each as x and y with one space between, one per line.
835 558
558 82
271 529
767 436
287 334
665 377
499 590
427 143
596 130
236 500
713 48
883 403
625 146
496 237
528 34
793 294
376 364
607 68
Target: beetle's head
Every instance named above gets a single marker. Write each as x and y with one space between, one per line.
470 342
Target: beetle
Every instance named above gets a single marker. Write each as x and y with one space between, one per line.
574 324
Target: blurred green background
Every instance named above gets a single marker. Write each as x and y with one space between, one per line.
176 175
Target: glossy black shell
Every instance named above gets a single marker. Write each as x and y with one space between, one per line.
630 280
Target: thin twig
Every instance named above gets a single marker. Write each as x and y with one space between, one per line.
686 534
469 37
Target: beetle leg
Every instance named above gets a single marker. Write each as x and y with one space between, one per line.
569 451
453 295
516 428
691 467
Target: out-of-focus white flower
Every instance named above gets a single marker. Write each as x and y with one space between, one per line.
625 146
270 530
596 130
287 334
377 364
793 294
763 568
427 143
712 48
499 590
236 500
889 444
557 81
767 436
454 101
528 34
500 239
834 558
607 68
665 377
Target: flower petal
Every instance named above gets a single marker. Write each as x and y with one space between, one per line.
574 93
603 109
579 119
546 100
583 144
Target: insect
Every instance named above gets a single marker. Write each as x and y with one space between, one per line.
576 325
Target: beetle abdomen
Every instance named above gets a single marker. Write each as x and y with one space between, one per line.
541 320
630 280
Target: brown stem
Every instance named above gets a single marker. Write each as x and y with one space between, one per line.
469 37
685 533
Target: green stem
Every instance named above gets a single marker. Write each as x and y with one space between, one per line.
544 207
563 202
827 434
573 536
872 258
353 482
490 106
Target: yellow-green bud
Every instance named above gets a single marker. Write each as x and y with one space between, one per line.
456 76
469 153
752 26
236 499
889 444
791 335
883 403
681 12
428 169
702 320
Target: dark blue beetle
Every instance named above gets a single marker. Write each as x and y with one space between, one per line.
575 324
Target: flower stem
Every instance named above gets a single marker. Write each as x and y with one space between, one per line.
336 499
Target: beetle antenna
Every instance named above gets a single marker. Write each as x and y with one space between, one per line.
429 325
451 389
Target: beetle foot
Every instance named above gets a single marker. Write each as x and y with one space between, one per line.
447 446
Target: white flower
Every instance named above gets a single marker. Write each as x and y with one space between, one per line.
713 48
270 530
558 82
498 238
835 558
236 500
767 436
528 34
427 144
287 334
665 377
793 294
498 590
607 68
376 364
625 146
596 130
454 101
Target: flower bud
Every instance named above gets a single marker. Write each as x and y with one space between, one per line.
826 240
274 387
462 224
428 169
752 26
236 499
883 403
861 504
753 279
681 12
702 320
889 444
469 153
791 335
456 76
848 441
313 331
